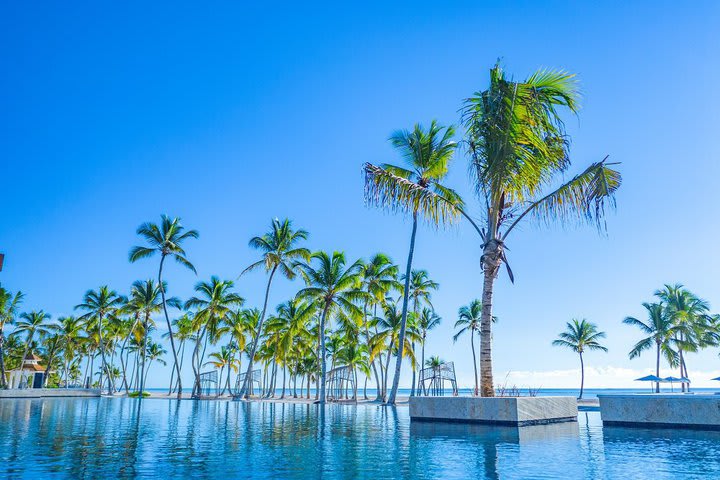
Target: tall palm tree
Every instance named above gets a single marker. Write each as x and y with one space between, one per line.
166 239
333 288
470 320
427 320
280 251
421 287
660 331
31 324
379 279
99 306
518 152
416 190
9 305
581 336
691 320
213 304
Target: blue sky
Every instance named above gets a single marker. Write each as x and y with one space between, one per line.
231 115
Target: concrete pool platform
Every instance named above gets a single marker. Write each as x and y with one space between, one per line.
506 411
49 393
661 410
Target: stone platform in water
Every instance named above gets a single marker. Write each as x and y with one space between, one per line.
49 392
512 411
696 411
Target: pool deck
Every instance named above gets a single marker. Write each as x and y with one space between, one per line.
49 393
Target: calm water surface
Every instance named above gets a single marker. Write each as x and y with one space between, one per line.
158 438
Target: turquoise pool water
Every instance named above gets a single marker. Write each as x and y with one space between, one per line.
157 438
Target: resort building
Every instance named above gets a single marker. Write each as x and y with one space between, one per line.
30 375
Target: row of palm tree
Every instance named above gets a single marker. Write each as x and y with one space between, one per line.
677 323
110 328
518 151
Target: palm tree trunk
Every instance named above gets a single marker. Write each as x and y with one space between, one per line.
582 376
169 325
412 388
374 366
323 366
144 354
472 346
258 335
491 259
657 368
3 382
403 323
422 362
682 362
103 361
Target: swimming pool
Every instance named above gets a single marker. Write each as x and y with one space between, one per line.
158 438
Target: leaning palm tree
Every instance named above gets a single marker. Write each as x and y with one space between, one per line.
31 324
279 252
155 351
518 152
469 320
379 279
416 190
9 305
333 288
99 306
580 336
660 332
166 239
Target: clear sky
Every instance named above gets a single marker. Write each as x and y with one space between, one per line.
230 114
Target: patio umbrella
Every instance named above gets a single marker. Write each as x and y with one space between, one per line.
675 379
716 378
649 378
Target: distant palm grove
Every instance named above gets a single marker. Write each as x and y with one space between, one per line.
369 315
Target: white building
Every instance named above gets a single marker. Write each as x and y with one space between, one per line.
30 375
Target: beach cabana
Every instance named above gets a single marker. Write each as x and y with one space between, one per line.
30 375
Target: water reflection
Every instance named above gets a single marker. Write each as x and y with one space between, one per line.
127 438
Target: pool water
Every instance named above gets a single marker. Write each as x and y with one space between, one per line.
158 438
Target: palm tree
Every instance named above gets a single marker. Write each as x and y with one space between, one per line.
388 336
166 239
214 305
416 190
280 252
580 336
31 324
427 320
518 150
9 305
379 279
660 331
155 351
469 320
420 292
691 322
69 329
333 289
146 299
100 305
